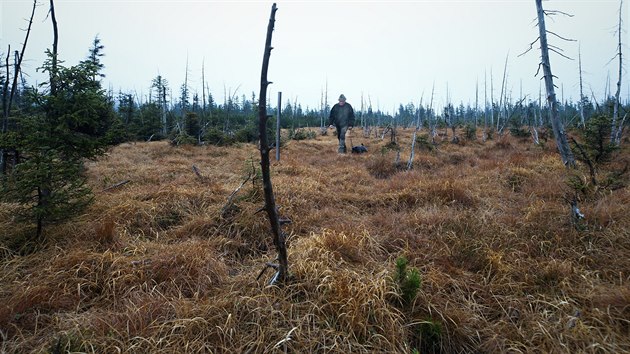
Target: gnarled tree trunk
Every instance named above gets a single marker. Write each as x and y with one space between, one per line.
558 128
270 203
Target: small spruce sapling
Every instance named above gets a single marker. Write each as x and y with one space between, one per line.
408 281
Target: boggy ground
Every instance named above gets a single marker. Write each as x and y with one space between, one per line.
160 264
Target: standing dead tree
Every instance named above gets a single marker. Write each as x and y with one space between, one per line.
5 114
502 96
582 118
617 127
7 98
484 135
270 203
413 139
432 120
558 128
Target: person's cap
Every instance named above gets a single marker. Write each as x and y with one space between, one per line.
342 97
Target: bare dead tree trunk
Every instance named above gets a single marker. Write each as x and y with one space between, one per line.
534 131
43 191
325 108
182 126
484 136
503 94
203 98
270 203
226 107
53 73
413 141
8 101
5 113
587 160
164 107
581 88
432 122
322 129
615 133
278 113
18 65
558 129
491 98
476 103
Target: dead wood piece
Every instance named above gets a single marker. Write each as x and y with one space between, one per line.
270 204
230 200
267 266
116 185
198 173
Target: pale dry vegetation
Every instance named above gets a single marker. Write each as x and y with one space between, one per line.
159 265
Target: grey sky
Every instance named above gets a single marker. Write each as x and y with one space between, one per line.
390 51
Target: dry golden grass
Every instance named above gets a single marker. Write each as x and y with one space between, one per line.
158 264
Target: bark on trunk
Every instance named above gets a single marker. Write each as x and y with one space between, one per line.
7 99
53 72
5 113
558 129
583 120
270 203
615 133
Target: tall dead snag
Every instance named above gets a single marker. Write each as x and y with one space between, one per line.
7 101
583 119
617 127
53 70
270 203
5 112
413 139
558 129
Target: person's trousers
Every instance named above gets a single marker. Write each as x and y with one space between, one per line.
341 135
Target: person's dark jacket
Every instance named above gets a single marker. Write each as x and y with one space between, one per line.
341 116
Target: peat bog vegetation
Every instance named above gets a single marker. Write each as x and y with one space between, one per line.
163 264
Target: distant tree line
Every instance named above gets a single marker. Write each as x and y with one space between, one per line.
163 116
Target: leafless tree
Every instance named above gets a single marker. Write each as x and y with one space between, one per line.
270 203
8 94
617 127
322 129
476 102
491 99
503 93
278 113
583 120
484 135
413 139
432 122
558 129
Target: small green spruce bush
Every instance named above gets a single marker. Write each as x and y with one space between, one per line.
470 132
408 281
430 333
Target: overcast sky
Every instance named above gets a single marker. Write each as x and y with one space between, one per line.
391 52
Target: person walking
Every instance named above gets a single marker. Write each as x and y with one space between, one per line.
342 118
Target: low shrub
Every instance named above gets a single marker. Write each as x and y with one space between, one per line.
383 166
470 132
217 137
301 134
408 281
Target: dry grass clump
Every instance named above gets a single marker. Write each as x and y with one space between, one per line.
517 177
503 142
449 192
609 209
383 165
164 264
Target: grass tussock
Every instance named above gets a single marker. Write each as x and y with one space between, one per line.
165 264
